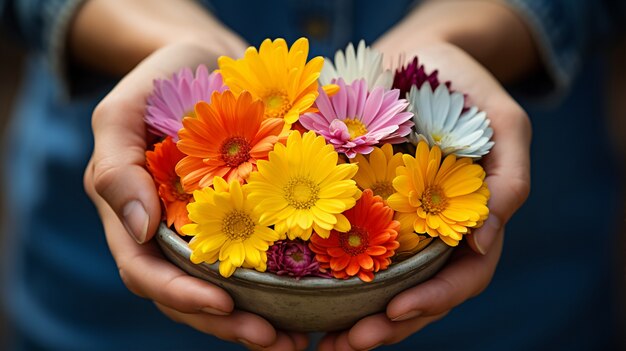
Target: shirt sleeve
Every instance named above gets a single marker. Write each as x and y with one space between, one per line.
566 31
41 26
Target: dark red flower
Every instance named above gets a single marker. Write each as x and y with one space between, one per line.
414 74
293 258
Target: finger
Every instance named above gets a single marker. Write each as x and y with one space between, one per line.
118 174
145 272
465 276
508 172
242 327
284 342
300 340
328 342
377 330
342 343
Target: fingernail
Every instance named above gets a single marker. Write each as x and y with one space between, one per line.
373 347
136 220
485 239
406 316
250 345
213 311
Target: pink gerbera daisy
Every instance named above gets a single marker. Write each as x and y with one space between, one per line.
173 99
355 120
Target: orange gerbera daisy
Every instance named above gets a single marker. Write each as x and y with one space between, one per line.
367 247
226 139
161 163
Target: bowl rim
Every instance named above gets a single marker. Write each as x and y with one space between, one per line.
437 248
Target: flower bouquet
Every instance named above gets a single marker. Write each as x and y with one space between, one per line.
304 182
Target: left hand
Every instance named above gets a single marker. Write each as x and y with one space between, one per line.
473 263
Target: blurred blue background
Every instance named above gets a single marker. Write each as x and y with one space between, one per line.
10 69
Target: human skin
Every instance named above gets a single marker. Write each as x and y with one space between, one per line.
146 41
445 35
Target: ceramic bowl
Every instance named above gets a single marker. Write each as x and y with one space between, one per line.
310 304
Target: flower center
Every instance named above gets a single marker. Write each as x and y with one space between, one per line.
356 128
354 241
296 256
237 225
301 193
276 104
434 200
383 189
235 151
180 192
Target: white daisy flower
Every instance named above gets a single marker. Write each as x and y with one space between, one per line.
366 63
440 120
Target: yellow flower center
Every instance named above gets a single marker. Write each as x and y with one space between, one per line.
356 128
237 225
383 189
301 193
276 104
355 241
235 151
434 200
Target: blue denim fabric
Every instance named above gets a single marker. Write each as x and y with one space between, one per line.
567 31
552 289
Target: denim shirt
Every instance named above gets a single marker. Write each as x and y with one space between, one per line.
62 289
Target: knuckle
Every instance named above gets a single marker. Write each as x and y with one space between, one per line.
518 118
520 188
128 281
100 112
88 180
108 108
104 176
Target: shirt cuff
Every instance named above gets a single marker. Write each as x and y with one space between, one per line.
59 15
558 47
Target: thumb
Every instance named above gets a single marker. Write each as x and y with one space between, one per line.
118 174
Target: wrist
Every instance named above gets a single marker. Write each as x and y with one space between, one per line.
113 36
489 31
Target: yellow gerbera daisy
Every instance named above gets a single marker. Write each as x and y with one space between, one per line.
443 199
226 227
410 242
377 170
281 77
301 188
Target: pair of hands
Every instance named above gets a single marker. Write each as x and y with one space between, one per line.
127 202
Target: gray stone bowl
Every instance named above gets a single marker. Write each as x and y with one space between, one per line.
310 304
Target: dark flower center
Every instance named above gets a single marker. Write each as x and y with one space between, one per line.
235 151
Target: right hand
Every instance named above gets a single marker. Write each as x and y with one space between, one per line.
130 210
473 263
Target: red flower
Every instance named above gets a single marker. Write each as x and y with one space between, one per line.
414 74
162 163
367 247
